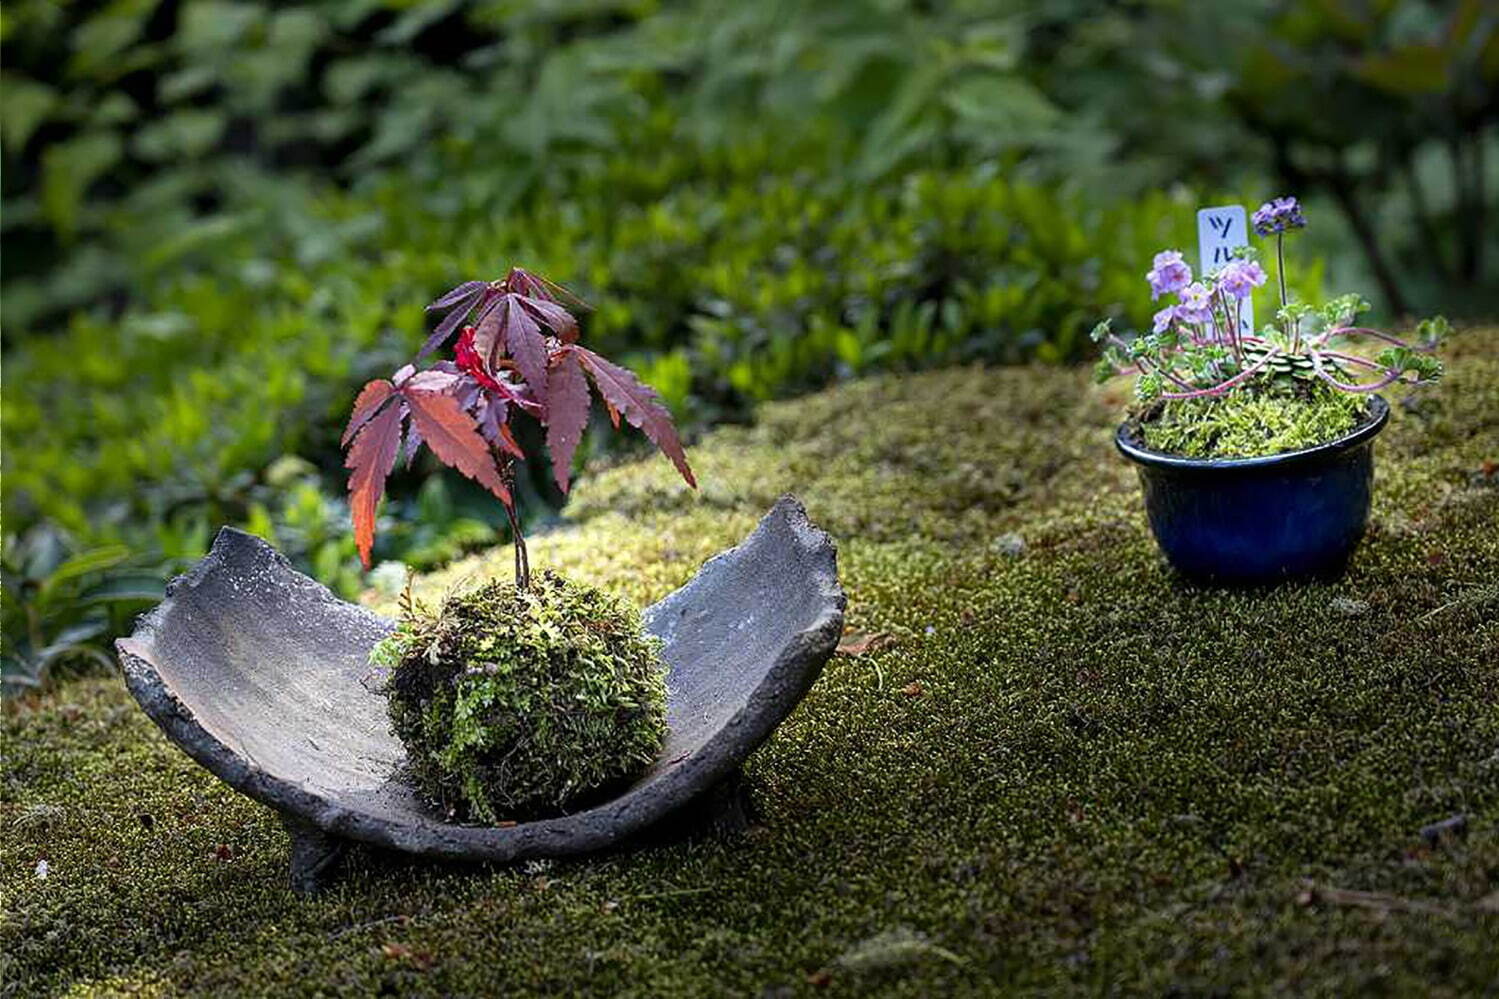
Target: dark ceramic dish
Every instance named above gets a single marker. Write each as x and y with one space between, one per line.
255 671
1259 521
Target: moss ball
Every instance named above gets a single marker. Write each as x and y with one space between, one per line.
519 705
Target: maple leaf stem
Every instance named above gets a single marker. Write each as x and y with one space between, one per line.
522 557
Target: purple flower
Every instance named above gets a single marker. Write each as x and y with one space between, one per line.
1278 215
1241 277
1169 274
1164 319
1196 305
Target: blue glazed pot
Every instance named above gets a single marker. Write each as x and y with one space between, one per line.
1256 521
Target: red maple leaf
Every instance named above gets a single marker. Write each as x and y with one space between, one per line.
370 461
556 318
566 413
366 404
471 363
450 433
639 404
524 342
518 353
459 302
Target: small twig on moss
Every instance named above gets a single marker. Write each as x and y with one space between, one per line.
1315 894
676 893
893 948
1478 595
1482 593
402 918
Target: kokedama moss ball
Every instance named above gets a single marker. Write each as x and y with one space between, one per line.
520 705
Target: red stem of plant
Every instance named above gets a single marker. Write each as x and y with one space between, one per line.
1223 386
1230 324
1353 359
522 557
1376 334
1142 362
1388 379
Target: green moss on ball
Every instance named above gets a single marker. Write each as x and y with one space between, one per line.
1253 421
522 705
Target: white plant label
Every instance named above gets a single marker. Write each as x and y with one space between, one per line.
1221 231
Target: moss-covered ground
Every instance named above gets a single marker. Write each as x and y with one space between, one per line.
1054 768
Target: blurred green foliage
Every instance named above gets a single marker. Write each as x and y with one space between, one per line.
220 218
727 296
58 606
1382 112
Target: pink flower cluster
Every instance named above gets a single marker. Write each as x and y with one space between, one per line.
1236 281
1241 277
1170 273
1278 215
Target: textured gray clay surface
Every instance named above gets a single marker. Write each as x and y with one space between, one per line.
254 670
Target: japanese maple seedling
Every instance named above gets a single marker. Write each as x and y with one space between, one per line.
517 352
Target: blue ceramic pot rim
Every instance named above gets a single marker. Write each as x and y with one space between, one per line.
1124 440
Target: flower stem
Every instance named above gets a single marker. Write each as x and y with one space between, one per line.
1230 324
1293 335
1352 359
1352 331
1154 364
1280 267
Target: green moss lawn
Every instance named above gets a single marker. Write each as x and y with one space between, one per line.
1054 769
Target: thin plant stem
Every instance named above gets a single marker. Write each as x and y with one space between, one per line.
1378 335
1388 379
1223 386
1230 331
1142 363
1280 277
1353 359
1280 267
522 557
1238 332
